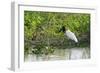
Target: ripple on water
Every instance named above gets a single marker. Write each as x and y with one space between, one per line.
61 54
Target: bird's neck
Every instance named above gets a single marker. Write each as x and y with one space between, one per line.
67 30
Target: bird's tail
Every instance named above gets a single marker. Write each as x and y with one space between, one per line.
76 40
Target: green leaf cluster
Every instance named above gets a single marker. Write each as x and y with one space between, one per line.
43 28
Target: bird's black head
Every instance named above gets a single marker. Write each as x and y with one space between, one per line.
63 29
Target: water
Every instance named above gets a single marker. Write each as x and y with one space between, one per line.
61 54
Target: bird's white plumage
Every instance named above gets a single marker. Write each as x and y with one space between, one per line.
71 35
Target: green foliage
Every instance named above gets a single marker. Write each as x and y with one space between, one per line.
41 49
43 29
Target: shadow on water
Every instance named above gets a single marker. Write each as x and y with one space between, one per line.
61 54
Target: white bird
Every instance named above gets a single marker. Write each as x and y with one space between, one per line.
69 34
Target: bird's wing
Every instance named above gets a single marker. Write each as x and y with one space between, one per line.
71 36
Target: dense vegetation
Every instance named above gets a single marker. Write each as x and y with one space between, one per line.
41 31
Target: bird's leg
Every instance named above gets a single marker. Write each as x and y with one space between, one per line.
77 44
69 42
